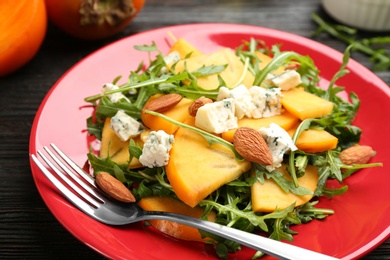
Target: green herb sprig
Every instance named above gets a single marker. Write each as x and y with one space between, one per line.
380 57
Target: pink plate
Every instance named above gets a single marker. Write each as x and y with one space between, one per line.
362 215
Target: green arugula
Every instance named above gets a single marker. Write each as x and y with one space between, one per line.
247 53
165 78
380 57
286 185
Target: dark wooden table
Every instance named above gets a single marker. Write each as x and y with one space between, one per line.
27 228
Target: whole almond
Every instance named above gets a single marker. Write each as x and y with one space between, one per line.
163 103
251 146
193 108
359 154
113 187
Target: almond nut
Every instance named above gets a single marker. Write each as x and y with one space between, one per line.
251 145
163 103
113 187
359 154
193 109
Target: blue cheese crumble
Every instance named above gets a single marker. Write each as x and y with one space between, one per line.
217 117
267 101
155 152
279 142
255 102
124 126
114 97
287 80
169 59
172 57
242 99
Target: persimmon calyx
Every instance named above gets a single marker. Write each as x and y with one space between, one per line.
112 12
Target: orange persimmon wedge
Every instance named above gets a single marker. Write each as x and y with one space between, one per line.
284 120
184 48
178 113
315 140
180 231
196 169
231 74
305 105
269 196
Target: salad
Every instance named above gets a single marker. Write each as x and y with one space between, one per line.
242 137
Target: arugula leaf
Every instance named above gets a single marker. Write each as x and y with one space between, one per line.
304 125
146 48
221 250
165 78
194 91
119 173
334 164
308 212
142 191
94 127
152 182
205 71
350 169
135 150
252 217
104 164
301 161
330 93
281 58
106 108
305 65
287 186
380 57
281 231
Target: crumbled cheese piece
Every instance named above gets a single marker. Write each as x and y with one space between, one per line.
242 99
279 142
268 80
217 117
255 102
114 97
223 93
266 101
287 80
155 152
124 126
170 59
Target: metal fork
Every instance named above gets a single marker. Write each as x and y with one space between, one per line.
94 203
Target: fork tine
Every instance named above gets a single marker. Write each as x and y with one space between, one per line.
92 190
68 181
79 203
72 164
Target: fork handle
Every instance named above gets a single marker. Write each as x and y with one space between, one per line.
266 245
